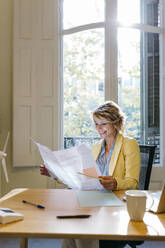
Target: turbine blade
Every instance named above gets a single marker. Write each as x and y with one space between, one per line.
1 155
6 142
5 170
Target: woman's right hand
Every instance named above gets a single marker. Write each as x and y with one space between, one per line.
44 171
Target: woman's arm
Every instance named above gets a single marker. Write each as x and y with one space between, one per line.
131 160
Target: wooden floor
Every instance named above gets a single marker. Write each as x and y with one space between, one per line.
56 243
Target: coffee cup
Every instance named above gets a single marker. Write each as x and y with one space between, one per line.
136 204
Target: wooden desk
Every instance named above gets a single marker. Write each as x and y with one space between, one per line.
105 223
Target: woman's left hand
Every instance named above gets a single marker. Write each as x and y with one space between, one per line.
108 182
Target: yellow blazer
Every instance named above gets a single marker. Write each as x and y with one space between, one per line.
125 162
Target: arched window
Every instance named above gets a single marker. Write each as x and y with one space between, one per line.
111 51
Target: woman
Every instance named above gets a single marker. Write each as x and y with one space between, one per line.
118 158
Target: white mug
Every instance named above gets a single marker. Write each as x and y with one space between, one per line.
136 204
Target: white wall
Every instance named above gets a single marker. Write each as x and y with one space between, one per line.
19 177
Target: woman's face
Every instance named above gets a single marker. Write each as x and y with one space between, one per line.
104 128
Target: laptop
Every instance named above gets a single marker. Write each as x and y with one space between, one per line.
158 205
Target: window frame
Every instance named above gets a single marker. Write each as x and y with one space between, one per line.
111 81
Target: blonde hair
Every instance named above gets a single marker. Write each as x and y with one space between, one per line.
112 113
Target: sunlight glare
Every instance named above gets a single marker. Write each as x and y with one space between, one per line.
128 11
78 12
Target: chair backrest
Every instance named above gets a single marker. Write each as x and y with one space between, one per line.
147 156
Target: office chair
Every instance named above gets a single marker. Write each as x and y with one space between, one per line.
147 153
147 156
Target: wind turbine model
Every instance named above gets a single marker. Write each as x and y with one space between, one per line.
3 156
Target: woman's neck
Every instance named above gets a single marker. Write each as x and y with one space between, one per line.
109 142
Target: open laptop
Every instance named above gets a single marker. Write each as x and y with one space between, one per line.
158 205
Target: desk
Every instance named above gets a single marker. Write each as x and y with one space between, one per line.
105 223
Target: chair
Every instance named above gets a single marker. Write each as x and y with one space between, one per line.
147 153
147 156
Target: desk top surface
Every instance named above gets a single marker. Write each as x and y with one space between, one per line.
104 222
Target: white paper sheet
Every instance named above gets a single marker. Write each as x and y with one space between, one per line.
65 165
98 199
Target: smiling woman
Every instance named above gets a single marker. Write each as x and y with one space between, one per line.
109 121
117 157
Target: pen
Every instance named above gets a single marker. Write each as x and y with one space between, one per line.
87 175
73 216
33 204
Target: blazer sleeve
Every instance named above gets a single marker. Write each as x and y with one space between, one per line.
131 155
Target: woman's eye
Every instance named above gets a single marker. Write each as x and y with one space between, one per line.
101 124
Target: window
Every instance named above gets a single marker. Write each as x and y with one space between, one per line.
138 70
112 52
66 63
83 64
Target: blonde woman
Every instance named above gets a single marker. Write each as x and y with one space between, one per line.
118 158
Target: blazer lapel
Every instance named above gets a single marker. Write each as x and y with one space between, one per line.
115 154
96 151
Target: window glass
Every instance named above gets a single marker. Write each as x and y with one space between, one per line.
126 11
150 90
81 12
138 85
129 78
83 80
139 11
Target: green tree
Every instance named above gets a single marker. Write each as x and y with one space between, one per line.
83 84
83 73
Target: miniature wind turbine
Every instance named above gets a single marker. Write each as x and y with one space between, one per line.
3 156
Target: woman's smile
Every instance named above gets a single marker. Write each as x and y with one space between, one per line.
104 128
102 133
